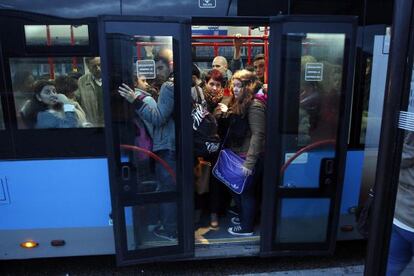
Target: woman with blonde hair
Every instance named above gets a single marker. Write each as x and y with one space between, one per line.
245 137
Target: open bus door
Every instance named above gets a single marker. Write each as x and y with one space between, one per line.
143 204
311 61
310 73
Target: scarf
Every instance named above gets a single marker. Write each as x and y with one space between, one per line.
212 98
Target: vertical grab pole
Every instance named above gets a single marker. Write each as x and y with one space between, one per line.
215 49
49 59
249 48
72 43
138 46
266 52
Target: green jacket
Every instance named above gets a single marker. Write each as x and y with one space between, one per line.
90 97
253 143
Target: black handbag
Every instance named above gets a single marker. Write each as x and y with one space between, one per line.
363 215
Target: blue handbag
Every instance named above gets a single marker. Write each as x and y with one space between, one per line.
228 169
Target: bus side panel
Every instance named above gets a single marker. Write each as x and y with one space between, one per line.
304 172
47 200
350 195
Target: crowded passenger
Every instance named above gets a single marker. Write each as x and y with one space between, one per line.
90 94
53 110
245 137
67 85
220 63
161 117
212 99
259 66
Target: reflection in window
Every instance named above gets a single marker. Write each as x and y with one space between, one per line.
56 35
312 87
320 85
47 92
1 116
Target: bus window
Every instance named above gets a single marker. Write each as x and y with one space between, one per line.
64 92
1 116
56 35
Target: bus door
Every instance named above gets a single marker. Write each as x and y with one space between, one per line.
146 80
311 63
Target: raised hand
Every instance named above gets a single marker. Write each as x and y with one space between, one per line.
126 92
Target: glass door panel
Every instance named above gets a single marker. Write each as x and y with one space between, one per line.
143 76
310 69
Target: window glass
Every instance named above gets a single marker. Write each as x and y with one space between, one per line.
311 102
1 116
303 213
64 92
56 35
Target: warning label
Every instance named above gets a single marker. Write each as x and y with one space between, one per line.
207 4
146 68
313 71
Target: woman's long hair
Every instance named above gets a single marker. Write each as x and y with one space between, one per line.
249 82
37 89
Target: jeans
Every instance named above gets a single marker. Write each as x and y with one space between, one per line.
401 250
248 201
168 210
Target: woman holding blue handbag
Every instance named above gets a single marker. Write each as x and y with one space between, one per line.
238 166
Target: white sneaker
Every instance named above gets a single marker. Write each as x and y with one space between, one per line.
238 231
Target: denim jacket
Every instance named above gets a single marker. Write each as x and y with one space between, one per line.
160 116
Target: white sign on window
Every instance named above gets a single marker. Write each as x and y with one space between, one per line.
313 71
207 4
146 68
301 159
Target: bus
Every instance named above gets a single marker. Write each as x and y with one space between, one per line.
90 189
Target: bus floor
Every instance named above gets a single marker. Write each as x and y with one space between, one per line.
217 242
205 234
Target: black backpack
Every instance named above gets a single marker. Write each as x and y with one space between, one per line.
206 139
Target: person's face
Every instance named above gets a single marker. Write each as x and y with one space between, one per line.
259 66
163 72
48 95
237 86
220 64
142 83
95 67
213 86
28 82
194 80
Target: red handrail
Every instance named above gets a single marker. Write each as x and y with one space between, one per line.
153 156
264 37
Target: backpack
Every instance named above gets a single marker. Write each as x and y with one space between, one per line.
206 139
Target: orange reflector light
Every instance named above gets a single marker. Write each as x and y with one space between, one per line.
29 244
